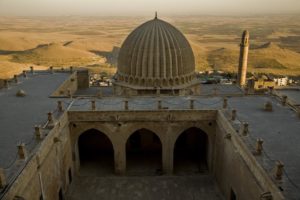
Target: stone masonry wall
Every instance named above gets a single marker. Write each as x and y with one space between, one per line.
69 86
235 167
46 172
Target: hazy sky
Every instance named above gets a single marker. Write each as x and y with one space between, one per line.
145 7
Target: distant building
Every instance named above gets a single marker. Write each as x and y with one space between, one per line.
260 83
284 81
226 81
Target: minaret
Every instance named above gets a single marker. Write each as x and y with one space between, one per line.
243 61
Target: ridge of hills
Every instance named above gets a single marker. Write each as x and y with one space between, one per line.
268 58
57 55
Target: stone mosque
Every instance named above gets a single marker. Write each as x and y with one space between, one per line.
156 133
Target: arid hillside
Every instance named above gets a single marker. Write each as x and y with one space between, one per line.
94 42
59 55
268 57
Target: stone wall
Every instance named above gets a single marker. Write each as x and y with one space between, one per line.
46 171
68 87
235 167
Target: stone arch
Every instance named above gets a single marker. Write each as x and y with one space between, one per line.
80 128
133 128
144 153
190 151
96 152
77 129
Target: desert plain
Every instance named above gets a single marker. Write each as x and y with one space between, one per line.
93 42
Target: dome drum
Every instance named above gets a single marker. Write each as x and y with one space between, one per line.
155 82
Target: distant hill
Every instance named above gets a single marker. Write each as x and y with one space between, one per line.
268 57
12 43
8 69
268 45
56 54
92 44
223 59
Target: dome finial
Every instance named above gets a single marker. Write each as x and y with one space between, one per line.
155 15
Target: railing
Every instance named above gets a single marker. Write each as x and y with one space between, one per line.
266 161
17 164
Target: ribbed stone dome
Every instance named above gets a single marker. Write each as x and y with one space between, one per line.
156 54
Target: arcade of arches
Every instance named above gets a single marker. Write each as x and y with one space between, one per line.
143 153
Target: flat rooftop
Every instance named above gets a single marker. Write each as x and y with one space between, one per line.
279 129
292 94
19 115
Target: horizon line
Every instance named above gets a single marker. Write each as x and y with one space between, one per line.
163 15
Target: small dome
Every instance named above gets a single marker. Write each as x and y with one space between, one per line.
156 54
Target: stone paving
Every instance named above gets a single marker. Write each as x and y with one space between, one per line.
145 188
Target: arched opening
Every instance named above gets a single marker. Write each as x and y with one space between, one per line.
165 82
182 80
96 153
177 81
150 82
144 153
190 152
60 194
136 81
157 83
131 80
